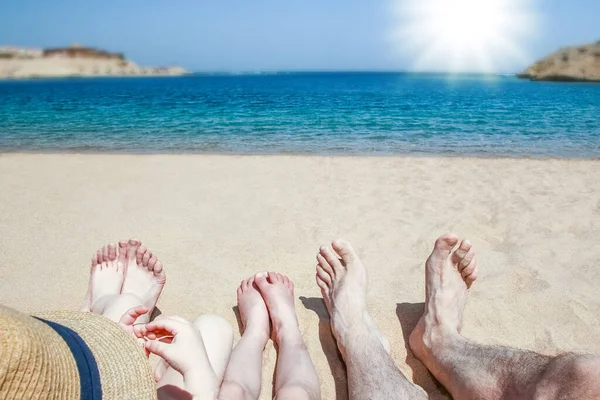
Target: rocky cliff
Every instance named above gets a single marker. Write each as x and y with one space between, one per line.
74 61
578 63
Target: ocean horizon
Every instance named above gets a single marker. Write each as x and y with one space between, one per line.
320 113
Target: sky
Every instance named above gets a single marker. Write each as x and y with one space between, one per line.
272 35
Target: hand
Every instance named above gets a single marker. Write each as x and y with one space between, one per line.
177 341
129 318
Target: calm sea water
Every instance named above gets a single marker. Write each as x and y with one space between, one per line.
316 113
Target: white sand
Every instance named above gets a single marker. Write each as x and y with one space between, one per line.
215 220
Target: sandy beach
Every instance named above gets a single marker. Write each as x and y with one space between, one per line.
214 220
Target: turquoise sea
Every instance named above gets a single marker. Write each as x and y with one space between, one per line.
309 113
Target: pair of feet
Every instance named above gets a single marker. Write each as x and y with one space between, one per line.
266 306
129 269
450 271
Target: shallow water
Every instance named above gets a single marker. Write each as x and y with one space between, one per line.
313 113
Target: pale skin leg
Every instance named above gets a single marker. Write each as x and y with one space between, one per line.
473 371
243 374
217 336
295 375
260 298
372 374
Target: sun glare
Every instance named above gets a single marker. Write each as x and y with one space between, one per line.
463 35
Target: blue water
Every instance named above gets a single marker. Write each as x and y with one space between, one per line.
315 113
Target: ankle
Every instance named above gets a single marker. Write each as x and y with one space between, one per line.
431 337
256 333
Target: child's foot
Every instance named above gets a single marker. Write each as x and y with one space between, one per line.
253 311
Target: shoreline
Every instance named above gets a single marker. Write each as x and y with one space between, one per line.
304 155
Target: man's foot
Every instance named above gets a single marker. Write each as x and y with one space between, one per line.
144 276
448 276
278 293
253 311
342 278
106 276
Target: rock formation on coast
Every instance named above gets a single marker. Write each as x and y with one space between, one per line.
74 61
577 63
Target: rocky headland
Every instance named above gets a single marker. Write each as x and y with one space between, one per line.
73 61
569 64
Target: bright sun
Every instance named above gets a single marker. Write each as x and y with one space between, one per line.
463 35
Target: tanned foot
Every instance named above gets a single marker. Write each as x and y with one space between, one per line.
253 311
106 276
144 275
448 276
278 293
342 278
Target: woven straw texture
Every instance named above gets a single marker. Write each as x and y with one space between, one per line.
40 364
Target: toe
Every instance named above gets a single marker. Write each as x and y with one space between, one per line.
445 243
345 250
323 275
469 269
104 265
152 262
285 280
158 267
99 256
132 247
324 264
260 280
471 278
123 251
139 254
94 259
105 253
466 262
146 258
112 252
461 252
331 258
323 286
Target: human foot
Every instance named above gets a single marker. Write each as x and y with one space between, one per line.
278 293
106 277
342 278
448 276
144 276
253 311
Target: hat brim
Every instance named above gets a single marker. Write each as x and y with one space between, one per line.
124 368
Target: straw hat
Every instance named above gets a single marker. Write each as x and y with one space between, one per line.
70 355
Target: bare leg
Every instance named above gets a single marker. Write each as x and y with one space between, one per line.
372 373
217 336
243 375
473 371
295 375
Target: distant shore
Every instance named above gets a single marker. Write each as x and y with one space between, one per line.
74 61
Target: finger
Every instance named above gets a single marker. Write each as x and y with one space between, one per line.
132 314
169 325
158 348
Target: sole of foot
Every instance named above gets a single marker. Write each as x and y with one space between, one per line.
450 271
144 275
106 276
253 311
277 290
342 278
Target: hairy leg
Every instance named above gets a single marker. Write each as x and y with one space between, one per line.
473 371
242 378
372 373
295 375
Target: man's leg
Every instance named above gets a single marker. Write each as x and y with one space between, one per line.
295 375
372 373
243 374
473 371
